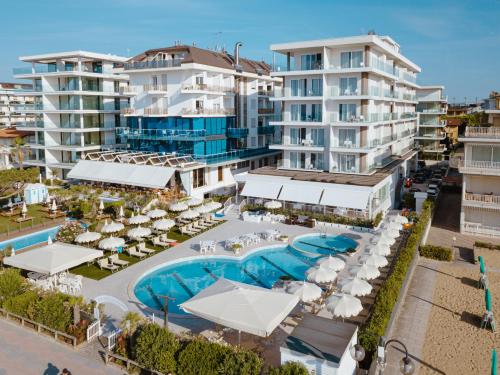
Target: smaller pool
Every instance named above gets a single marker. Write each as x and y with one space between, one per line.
323 244
107 199
30 239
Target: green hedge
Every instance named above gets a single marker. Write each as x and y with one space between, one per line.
436 252
388 294
486 245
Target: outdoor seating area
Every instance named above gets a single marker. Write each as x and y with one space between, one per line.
237 243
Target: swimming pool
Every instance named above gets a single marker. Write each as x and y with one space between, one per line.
30 239
324 245
263 267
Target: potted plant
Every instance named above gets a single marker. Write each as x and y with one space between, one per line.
283 238
236 247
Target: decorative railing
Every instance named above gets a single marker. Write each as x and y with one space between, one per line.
482 132
482 198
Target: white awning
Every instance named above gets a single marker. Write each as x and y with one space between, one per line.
301 192
346 197
148 176
54 258
260 189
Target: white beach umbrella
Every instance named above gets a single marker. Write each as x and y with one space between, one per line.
374 260
163 224
138 232
321 275
24 209
121 214
343 305
54 206
49 241
138 219
380 249
307 292
395 225
47 199
203 209
112 227
357 287
87 237
156 213
383 239
193 201
272 205
215 205
111 243
365 272
101 205
333 263
393 232
190 214
178 207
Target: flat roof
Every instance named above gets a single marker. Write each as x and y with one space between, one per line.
73 54
430 87
321 338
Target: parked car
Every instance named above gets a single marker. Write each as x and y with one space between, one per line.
414 190
432 193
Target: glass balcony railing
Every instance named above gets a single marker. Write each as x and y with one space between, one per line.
266 129
153 64
30 124
232 155
71 86
237 132
162 134
349 91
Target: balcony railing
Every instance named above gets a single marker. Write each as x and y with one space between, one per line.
209 111
155 111
266 129
150 87
161 134
480 165
487 199
482 132
477 228
210 88
153 64
266 92
30 124
237 132
232 155
265 111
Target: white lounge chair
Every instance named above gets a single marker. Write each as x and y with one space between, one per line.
141 246
104 265
164 238
158 242
133 252
114 259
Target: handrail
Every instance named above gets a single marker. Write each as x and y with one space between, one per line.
109 356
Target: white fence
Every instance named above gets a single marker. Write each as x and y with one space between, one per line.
94 330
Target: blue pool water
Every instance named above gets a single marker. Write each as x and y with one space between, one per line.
30 239
324 245
264 267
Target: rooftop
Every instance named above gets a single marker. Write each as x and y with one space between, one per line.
51 57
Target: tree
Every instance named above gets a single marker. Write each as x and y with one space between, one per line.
156 348
241 362
130 323
18 152
11 284
290 368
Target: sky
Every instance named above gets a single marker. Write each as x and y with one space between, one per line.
455 42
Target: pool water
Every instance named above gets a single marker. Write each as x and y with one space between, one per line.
263 268
30 239
324 245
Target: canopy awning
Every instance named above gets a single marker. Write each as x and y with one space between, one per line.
148 176
53 258
346 197
301 192
258 189
243 307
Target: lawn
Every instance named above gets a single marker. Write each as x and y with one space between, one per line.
7 224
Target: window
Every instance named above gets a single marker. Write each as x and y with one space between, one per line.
316 87
348 86
310 62
317 161
198 178
220 174
347 163
199 81
351 59
316 112
347 137
253 141
297 135
298 87
298 112
347 112
318 137
253 122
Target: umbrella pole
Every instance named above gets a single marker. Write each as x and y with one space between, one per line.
239 338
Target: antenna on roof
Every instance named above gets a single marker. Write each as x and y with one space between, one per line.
218 45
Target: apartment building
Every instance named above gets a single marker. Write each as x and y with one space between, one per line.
77 101
431 135
14 96
348 108
491 108
210 105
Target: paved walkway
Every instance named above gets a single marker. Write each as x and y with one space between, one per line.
23 352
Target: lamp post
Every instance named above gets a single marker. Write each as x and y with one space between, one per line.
165 299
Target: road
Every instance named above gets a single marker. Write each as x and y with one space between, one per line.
23 352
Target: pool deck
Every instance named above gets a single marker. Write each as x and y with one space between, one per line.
120 285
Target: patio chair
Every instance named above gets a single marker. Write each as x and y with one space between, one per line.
164 238
132 251
114 259
158 242
141 247
104 265
192 229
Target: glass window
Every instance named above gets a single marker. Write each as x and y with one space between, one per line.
294 136
198 177
351 59
347 112
310 62
348 86
481 153
317 160
293 160
316 87
347 137
294 86
318 137
316 112
347 163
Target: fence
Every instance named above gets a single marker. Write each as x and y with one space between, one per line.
112 337
127 363
40 328
27 226
94 330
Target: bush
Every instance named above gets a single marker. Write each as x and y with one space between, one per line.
156 348
201 357
241 362
23 304
486 245
69 231
436 252
290 368
388 294
11 284
54 310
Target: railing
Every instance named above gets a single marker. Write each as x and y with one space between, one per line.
335 91
155 111
264 111
30 124
232 155
477 228
382 65
482 198
211 88
266 92
129 364
93 330
266 129
287 92
150 87
161 134
153 64
237 132
209 111
476 164
482 132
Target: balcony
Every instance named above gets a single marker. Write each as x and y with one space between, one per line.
431 135
481 200
153 64
433 148
237 132
482 132
265 111
208 112
162 134
266 93
233 155
431 124
266 129
155 111
155 89
30 124
480 229
298 94
479 167
211 89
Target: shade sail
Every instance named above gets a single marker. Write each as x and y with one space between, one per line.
148 176
302 192
243 307
54 258
260 189
340 196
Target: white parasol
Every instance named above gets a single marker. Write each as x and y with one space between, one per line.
307 292
343 305
112 227
178 207
87 237
156 213
138 219
333 263
357 287
138 232
321 275
163 224
190 214
111 243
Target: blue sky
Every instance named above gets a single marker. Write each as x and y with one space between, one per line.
456 42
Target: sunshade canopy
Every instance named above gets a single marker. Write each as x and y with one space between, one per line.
54 258
243 307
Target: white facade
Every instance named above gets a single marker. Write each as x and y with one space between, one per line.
348 104
432 105
14 96
77 106
480 212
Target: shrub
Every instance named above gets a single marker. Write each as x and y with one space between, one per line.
240 362
11 284
290 368
54 310
155 348
23 304
69 231
436 252
486 245
201 357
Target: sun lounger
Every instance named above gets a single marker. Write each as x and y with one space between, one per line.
104 265
141 246
117 261
164 238
133 252
158 242
192 229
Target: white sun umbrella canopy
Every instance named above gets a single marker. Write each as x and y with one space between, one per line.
111 243
101 205
203 209
138 219
178 207
163 224
272 205
87 237
189 214
374 260
380 249
307 292
357 287
54 206
138 232
321 275
343 305
193 201
49 241
214 205
365 272
121 214
112 227
156 213
333 263
24 209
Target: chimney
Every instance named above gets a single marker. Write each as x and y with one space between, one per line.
237 65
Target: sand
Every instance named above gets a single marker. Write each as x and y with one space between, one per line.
454 342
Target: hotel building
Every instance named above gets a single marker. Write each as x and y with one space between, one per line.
431 107
348 118
77 101
14 96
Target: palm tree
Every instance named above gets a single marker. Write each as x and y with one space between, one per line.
18 151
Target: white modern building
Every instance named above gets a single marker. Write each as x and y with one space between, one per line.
432 106
77 102
14 96
348 118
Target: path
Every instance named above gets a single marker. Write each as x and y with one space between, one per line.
23 352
